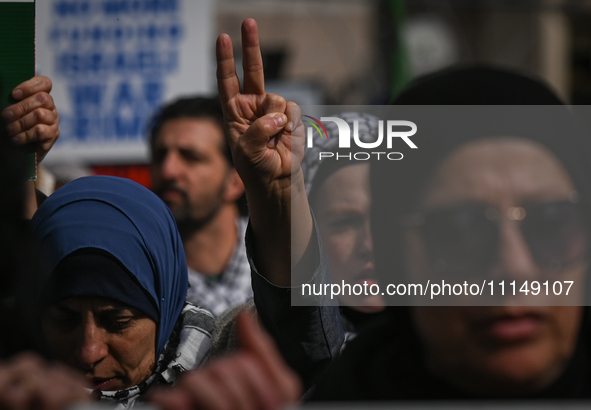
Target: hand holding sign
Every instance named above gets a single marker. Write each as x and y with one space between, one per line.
34 119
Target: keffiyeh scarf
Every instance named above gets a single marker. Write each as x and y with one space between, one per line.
187 349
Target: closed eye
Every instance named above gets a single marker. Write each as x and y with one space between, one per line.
63 318
190 156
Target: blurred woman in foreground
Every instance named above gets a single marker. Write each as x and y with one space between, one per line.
500 198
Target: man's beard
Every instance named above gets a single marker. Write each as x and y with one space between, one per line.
188 225
184 213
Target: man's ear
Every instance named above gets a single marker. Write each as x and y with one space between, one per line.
234 186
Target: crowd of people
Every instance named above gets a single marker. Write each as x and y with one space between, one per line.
182 297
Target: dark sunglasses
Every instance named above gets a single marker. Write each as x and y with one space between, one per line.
463 240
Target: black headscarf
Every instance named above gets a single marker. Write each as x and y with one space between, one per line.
397 186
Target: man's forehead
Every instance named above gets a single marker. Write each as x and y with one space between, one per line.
190 133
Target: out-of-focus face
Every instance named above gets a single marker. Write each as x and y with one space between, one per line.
509 350
112 344
342 208
190 172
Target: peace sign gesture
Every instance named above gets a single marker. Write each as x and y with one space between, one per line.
266 137
260 126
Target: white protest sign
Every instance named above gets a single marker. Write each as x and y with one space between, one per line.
113 62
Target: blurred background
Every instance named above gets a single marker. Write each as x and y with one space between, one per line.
113 62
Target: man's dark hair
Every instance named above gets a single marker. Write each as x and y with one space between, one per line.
193 107
196 108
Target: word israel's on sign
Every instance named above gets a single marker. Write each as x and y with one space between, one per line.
394 129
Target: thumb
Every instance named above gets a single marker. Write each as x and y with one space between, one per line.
257 342
262 130
250 333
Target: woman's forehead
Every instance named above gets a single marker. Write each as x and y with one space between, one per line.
92 303
348 182
503 171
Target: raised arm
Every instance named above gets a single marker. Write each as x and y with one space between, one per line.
267 142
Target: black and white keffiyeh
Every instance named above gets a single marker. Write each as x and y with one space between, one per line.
229 289
187 349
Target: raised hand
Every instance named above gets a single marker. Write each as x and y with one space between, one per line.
34 119
260 126
266 136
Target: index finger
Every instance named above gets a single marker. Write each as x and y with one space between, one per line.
252 61
228 83
32 86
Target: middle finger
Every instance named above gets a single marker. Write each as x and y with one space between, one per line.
38 116
19 110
